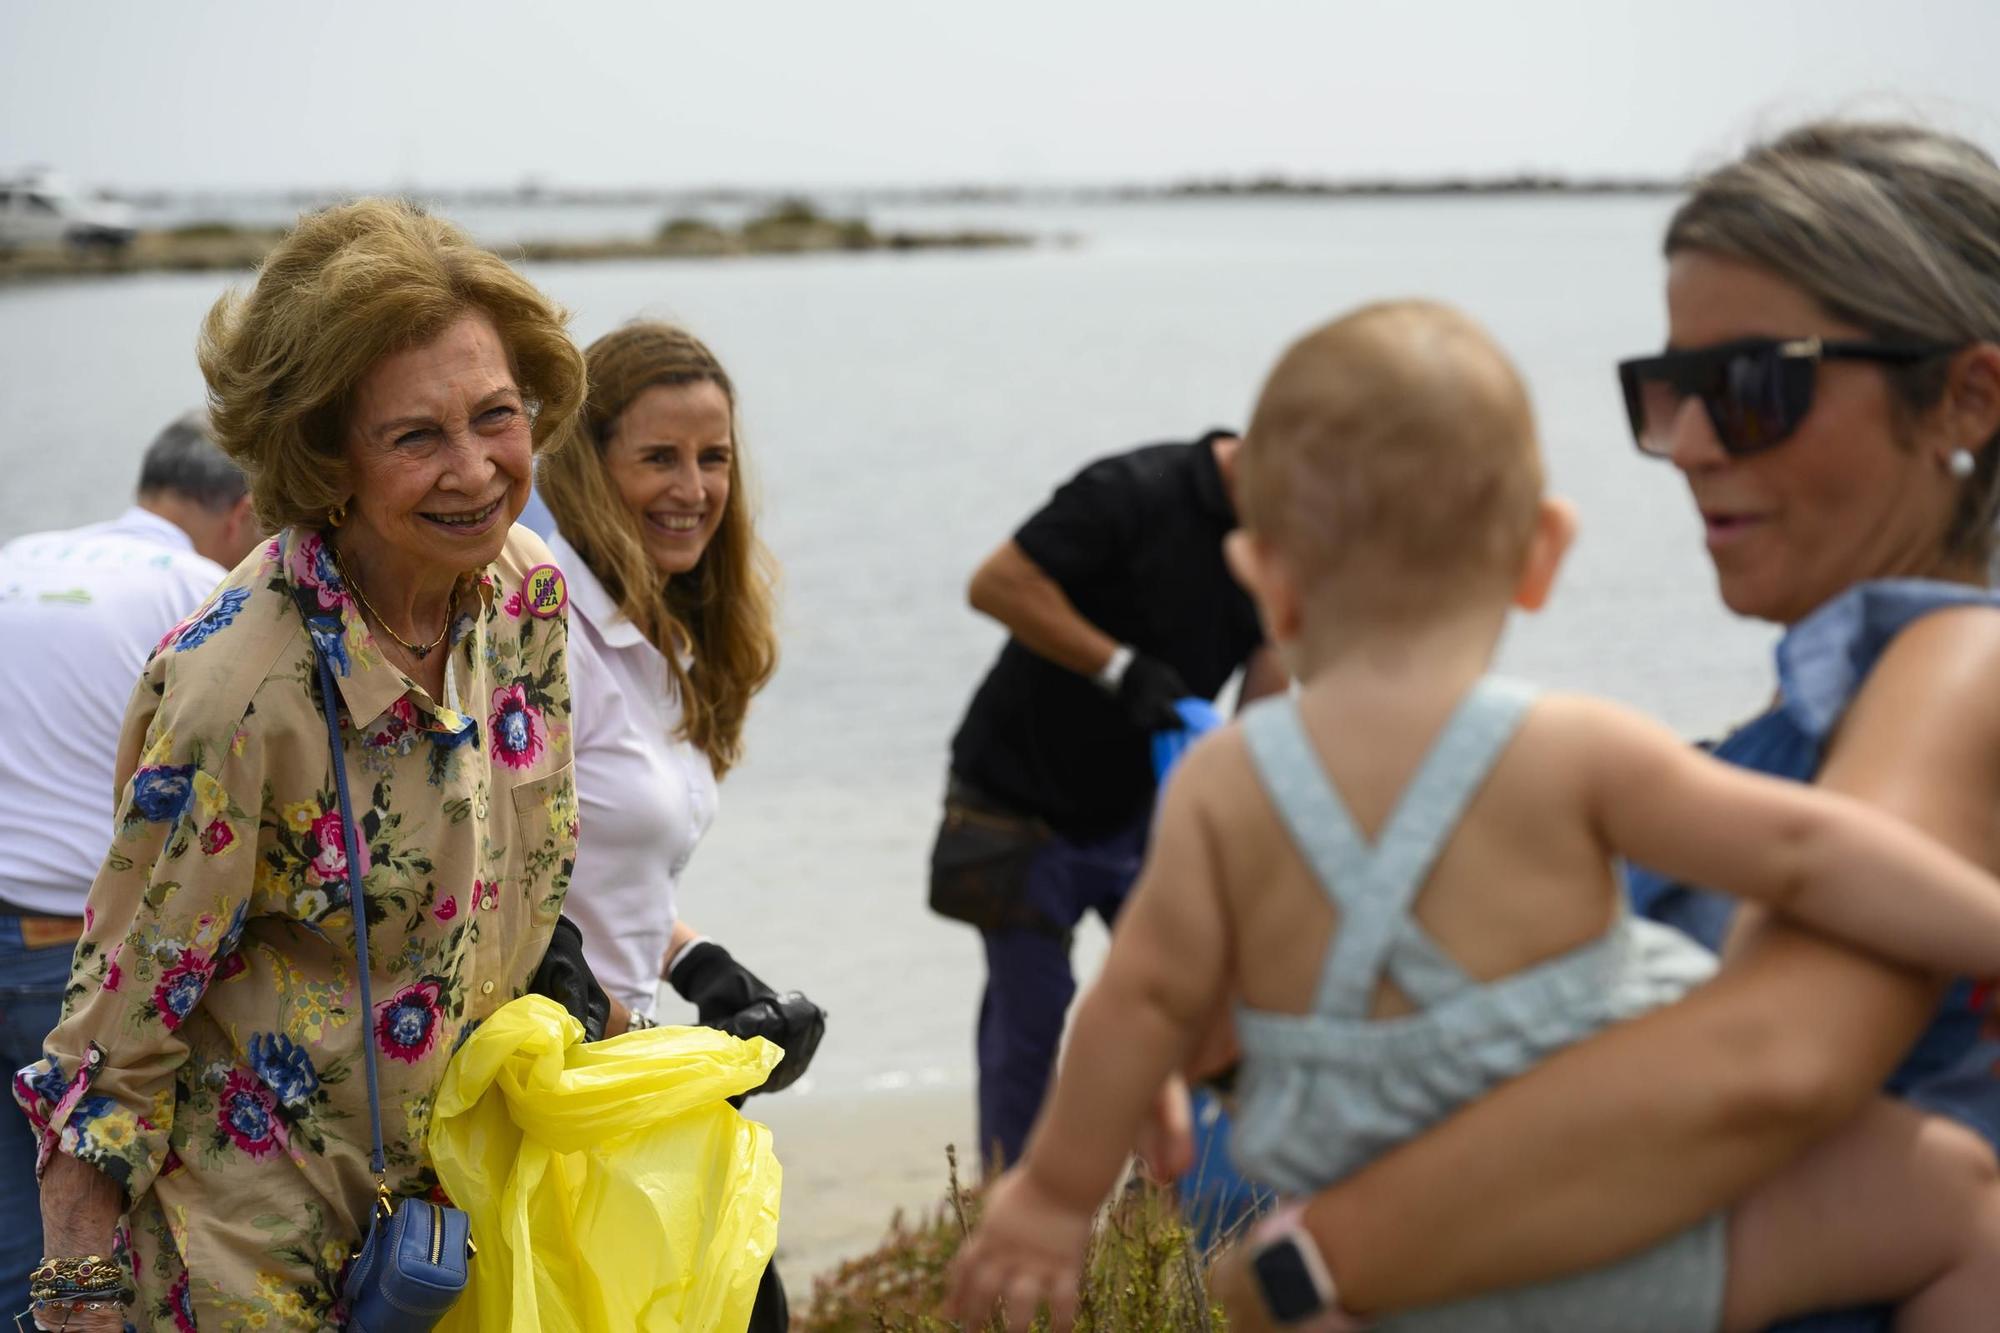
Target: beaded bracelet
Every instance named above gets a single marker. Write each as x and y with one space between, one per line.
71 1308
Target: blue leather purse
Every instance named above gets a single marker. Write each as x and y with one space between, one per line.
415 1259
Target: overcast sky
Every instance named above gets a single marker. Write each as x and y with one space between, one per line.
597 92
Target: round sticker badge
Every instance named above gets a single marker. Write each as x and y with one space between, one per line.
543 592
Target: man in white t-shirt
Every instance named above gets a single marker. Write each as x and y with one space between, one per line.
80 612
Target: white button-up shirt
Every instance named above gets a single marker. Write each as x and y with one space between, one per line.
644 794
80 612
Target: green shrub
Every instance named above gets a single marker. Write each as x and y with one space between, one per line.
1144 1273
684 229
789 212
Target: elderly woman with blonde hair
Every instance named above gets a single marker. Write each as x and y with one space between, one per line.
385 385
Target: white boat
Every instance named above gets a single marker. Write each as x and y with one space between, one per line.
41 210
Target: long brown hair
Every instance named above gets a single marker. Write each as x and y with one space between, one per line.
722 608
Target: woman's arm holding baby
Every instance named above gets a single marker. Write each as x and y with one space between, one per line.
1614 1144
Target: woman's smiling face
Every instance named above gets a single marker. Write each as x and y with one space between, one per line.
439 446
1842 500
671 454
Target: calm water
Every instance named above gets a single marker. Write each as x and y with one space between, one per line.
902 413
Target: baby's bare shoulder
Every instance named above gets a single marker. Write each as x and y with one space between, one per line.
1216 767
1576 747
1216 788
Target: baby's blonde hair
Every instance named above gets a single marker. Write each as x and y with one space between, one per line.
1393 445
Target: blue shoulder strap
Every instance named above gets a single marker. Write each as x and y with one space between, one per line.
357 905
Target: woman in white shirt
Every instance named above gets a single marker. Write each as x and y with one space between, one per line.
670 635
670 597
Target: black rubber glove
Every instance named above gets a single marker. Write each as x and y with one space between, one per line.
566 978
1147 692
728 996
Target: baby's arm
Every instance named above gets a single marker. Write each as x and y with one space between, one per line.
1159 988
1835 863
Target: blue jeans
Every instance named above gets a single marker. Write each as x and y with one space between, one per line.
1029 983
31 990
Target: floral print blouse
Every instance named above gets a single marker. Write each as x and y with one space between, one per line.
209 1057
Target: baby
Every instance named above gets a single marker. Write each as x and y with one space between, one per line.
1405 878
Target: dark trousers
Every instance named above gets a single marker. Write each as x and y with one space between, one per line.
772 1313
1029 984
31 990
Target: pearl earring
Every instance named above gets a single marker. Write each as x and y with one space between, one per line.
1960 463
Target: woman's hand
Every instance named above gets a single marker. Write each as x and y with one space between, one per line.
729 997
80 1211
564 976
1027 1250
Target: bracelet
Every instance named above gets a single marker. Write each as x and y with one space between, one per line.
1113 670
71 1308
89 1278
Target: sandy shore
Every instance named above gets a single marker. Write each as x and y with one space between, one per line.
850 1163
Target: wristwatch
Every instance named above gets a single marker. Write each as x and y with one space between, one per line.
1292 1278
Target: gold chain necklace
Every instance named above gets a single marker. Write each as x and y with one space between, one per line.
418 651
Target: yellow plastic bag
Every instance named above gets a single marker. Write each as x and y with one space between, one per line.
610 1185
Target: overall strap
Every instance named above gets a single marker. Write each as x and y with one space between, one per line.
1425 817
1332 845
1306 801
357 905
1374 886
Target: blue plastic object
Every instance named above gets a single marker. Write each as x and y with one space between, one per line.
1197 716
1216 1201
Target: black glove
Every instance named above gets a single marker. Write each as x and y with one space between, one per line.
1147 691
728 997
566 978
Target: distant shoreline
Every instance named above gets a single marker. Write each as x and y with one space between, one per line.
791 227
1263 185
778 223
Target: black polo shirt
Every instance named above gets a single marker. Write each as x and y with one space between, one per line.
1135 541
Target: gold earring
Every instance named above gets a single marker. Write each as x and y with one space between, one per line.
337 515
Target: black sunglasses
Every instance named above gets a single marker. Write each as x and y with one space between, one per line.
1756 390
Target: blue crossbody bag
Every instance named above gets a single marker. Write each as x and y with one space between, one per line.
415 1259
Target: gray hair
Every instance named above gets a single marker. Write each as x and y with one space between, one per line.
1893 228
185 459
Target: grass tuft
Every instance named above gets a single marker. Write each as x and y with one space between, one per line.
1145 1272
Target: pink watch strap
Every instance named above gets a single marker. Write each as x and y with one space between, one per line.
1287 1221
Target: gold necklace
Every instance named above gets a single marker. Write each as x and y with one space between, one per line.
418 651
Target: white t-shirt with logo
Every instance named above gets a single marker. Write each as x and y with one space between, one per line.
80 612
